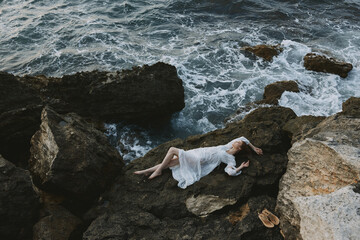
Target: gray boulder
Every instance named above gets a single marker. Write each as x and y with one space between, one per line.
324 160
71 157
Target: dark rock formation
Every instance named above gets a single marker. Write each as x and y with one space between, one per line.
141 94
158 209
245 219
20 110
351 107
298 126
273 91
70 157
19 204
272 94
147 93
264 51
14 94
321 63
57 224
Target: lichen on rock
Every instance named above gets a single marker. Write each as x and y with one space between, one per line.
323 160
331 216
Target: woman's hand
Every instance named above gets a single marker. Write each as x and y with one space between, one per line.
258 151
244 164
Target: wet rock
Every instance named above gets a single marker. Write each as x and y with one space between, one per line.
298 126
321 63
20 110
332 216
272 94
14 94
351 107
70 157
264 51
241 112
142 208
273 91
57 224
324 160
19 204
140 94
147 93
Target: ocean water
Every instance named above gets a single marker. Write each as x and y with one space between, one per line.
202 38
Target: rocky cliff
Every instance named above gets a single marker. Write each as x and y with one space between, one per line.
150 92
316 199
147 93
218 206
80 188
19 203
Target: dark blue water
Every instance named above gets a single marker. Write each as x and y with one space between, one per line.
202 38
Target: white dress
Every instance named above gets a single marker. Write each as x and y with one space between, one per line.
199 162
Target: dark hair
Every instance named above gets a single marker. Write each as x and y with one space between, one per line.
244 146
244 152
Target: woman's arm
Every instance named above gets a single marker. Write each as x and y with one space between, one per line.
243 165
256 149
232 171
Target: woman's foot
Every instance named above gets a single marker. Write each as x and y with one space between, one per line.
155 174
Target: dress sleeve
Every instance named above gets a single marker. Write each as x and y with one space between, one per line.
231 171
244 139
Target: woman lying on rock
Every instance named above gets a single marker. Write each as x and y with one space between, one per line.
189 166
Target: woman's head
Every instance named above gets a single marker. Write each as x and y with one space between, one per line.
239 145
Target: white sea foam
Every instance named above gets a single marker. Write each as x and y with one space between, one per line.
57 38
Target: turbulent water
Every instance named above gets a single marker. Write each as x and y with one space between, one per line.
202 38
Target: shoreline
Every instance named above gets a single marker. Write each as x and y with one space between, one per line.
78 178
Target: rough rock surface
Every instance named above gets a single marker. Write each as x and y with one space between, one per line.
298 126
203 205
158 209
333 216
20 110
273 91
57 224
321 63
324 160
19 204
264 51
70 157
142 93
272 94
351 107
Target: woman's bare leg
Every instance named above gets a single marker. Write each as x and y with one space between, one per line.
165 163
148 170
173 162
